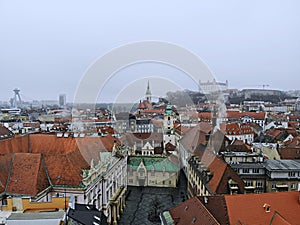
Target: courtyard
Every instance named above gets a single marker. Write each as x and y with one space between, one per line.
144 204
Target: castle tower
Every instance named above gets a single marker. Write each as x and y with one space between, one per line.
148 93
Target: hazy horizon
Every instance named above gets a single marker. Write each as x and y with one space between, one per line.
46 47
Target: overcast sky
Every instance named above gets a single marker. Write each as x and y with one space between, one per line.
47 46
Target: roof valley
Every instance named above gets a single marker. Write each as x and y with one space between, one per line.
10 171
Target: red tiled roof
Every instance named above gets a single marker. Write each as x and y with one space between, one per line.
130 138
252 208
50 144
239 146
152 111
293 143
274 132
193 139
65 169
148 104
141 105
280 133
28 175
96 120
289 153
107 129
181 130
31 124
192 212
216 206
218 141
295 125
249 208
221 173
196 136
236 128
170 147
5 166
238 115
17 144
205 116
64 158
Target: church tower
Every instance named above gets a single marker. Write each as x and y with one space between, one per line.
148 93
168 126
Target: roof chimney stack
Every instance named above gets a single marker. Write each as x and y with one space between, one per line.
299 193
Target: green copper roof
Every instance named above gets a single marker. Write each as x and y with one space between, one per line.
159 163
169 110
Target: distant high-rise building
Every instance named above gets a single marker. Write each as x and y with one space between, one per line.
62 100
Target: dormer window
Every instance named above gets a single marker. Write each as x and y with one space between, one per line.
267 207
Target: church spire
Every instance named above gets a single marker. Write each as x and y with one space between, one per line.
148 92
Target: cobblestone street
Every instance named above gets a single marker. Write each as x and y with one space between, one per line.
143 204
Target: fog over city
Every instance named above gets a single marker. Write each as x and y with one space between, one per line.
46 47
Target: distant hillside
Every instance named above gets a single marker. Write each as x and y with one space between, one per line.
181 98
293 93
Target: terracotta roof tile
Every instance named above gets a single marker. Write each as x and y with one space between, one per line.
64 158
28 175
236 128
205 116
221 174
130 138
239 146
196 137
192 212
154 111
5 166
293 143
289 153
13 145
251 208
238 115
65 169
141 105
170 147
217 207
181 130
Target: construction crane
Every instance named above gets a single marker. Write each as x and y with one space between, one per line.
259 85
263 85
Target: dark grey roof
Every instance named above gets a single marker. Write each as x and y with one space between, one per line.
87 214
282 165
249 165
39 215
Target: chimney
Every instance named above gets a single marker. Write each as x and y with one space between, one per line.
299 193
205 200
